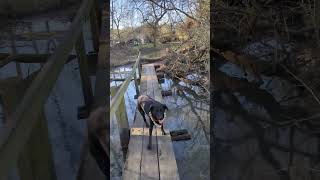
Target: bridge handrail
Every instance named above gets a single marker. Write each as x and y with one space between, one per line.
14 137
115 101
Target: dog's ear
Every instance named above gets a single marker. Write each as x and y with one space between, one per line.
150 108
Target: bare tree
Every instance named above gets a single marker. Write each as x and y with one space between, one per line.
152 15
119 13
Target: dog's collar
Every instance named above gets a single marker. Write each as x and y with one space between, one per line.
154 122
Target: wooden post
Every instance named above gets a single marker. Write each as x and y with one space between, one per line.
94 29
34 43
139 68
84 71
98 12
14 52
123 124
120 74
136 84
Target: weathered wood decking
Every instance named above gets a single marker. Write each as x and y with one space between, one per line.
141 163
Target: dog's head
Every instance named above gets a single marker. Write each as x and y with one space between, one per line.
158 112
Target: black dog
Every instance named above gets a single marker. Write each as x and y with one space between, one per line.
156 112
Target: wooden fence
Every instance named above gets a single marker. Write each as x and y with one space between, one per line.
117 105
27 119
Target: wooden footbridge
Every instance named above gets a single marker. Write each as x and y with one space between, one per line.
159 162
140 163
24 140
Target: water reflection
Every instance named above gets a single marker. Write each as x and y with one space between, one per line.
192 113
258 136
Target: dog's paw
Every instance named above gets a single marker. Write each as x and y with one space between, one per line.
164 133
149 147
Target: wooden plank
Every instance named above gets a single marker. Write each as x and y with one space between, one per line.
178 132
149 163
159 163
181 137
167 162
132 166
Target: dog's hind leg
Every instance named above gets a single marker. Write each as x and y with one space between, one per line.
143 115
150 135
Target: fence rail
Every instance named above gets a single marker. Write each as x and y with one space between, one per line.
119 95
118 108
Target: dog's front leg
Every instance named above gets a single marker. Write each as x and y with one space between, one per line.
163 132
143 116
150 135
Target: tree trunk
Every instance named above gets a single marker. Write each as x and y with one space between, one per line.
155 33
118 31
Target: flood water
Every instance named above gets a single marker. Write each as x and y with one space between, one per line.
258 129
193 155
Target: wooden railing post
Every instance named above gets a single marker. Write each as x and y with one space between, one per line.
123 124
136 84
139 68
14 51
84 71
94 28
